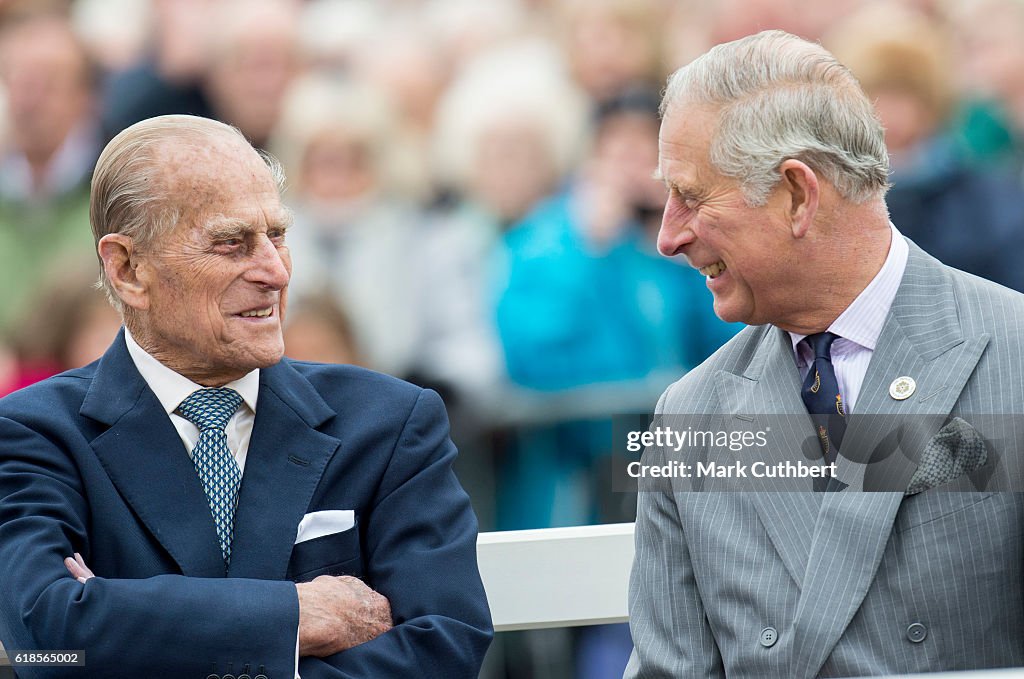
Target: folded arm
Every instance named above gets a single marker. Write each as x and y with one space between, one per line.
162 626
421 555
335 613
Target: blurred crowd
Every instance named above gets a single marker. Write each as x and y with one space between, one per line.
471 183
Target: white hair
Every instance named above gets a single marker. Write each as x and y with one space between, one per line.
782 97
129 193
317 104
523 81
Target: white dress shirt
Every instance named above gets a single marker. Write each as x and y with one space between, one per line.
171 389
860 325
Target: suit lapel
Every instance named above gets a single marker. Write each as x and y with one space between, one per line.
287 456
145 459
921 339
771 384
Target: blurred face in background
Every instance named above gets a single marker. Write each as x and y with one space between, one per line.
627 144
252 67
902 59
990 58
45 73
412 72
512 168
907 120
609 51
337 167
183 31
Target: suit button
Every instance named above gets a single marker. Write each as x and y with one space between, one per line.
917 632
213 676
768 637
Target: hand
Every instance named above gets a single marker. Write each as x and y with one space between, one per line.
603 205
79 571
337 613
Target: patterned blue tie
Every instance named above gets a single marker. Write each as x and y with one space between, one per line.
822 398
210 410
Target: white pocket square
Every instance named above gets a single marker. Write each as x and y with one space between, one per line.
328 522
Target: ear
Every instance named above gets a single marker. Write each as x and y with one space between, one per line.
120 263
801 186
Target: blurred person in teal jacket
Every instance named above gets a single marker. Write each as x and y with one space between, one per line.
582 295
581 298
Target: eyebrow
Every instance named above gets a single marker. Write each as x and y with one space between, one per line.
220 227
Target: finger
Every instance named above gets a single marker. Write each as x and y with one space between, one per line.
85 571
75 569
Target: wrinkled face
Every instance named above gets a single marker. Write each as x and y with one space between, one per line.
215 285
745 252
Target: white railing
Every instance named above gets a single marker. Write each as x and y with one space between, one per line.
557 577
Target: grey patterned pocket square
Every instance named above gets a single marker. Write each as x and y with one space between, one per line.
957 449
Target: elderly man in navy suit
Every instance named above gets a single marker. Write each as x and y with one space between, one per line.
196 505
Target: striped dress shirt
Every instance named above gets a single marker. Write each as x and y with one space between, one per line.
860 325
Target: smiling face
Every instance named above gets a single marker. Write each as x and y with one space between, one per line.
747 253
214 287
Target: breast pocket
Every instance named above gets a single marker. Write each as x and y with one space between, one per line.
936 504
335 554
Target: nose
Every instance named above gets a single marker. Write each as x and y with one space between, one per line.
271 267
674 234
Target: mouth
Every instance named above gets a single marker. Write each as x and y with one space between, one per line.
265 312
713 271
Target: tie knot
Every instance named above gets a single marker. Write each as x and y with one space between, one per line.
821 344
210 408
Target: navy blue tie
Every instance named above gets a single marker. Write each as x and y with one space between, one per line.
822 398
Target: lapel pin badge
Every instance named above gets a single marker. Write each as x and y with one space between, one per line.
902 388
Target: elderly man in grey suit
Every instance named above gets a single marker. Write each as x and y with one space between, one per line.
777 170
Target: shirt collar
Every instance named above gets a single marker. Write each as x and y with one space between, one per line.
171 388
862 321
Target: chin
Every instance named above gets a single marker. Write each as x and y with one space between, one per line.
267 359
725 313
263 355
731 312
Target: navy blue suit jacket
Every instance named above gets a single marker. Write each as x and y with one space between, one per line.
90 463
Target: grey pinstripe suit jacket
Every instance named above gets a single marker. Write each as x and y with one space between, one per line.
841 576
